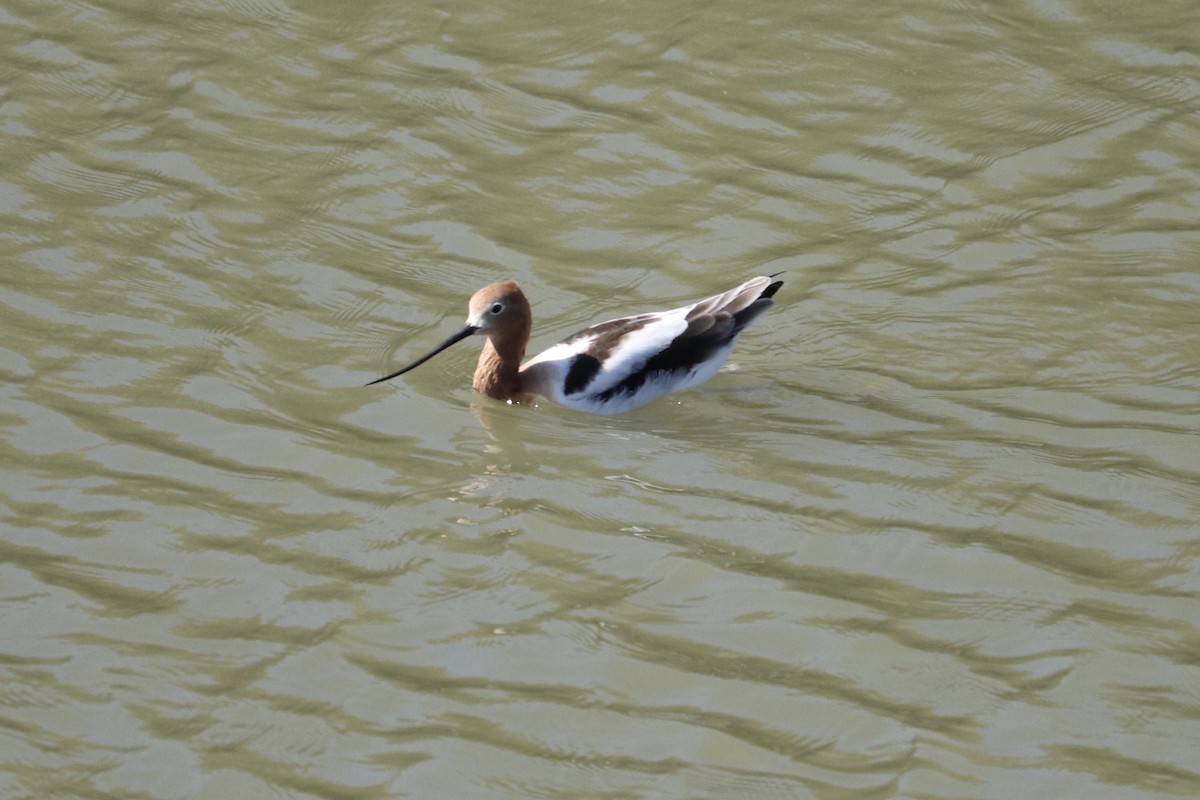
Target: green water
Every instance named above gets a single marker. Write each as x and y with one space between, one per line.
933 534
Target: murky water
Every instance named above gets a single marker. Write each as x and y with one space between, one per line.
934 534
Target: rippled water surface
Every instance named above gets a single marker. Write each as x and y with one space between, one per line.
933 534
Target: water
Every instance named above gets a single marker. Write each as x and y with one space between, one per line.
933 534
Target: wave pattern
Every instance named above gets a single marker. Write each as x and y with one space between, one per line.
932 534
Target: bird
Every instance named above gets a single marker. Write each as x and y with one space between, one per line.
611 367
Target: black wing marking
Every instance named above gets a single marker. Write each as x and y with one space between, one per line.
712 324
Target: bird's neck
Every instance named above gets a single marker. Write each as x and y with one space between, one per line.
498 372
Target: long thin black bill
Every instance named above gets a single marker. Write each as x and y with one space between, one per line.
458 337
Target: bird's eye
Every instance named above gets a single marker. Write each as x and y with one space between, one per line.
496 308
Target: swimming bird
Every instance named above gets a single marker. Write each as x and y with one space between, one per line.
610 367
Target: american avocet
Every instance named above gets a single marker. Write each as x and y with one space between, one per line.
610 367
